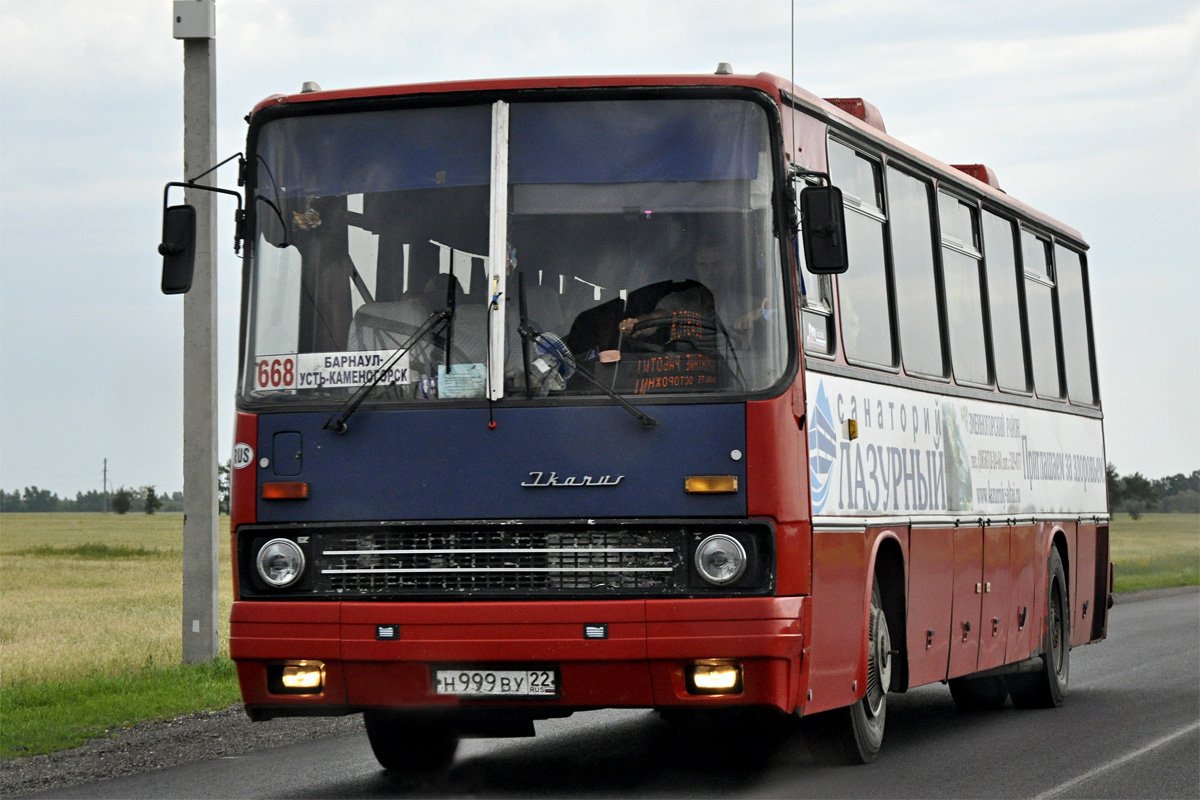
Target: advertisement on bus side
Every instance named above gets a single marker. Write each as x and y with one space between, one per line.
919 453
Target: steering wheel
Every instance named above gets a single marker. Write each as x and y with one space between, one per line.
683 328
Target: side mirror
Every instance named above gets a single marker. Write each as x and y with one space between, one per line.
178 248
824 224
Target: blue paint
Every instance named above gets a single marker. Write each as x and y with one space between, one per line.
441 463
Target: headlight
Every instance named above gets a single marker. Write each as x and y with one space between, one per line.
280 563
721 559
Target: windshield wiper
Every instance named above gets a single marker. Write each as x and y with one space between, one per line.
530 335
445 315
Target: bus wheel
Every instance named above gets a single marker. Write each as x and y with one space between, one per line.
853 735
408 748
978 694
1046 687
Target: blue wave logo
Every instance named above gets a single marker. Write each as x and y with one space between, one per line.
822 449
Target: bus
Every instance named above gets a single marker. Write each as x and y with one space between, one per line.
691 393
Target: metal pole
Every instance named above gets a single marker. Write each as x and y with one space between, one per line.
200 573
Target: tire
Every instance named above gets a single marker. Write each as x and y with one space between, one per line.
978 694
1047 687
409 748
854 734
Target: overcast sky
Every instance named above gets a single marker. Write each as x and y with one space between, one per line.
1086 109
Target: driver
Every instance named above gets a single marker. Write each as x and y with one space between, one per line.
655 314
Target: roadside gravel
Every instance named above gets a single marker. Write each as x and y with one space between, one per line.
165 743
212 734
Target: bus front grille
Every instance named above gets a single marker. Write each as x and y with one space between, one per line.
499 562
502 559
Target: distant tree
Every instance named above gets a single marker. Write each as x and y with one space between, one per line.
1185 502
152 502
89 501
1114 486
10 502
223 471
1139 494
122 501
40 499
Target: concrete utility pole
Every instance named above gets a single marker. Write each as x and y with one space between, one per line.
195 22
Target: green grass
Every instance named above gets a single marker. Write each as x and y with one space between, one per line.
45 717
1156 551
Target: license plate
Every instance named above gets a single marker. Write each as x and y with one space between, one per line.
470 682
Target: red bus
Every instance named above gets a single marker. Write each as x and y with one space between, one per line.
692 393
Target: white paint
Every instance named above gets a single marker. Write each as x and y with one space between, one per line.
1117 762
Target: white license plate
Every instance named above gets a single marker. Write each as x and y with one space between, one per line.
467 682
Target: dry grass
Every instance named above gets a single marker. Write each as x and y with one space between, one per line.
92 594
1155 551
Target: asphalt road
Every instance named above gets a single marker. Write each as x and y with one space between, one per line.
1130 728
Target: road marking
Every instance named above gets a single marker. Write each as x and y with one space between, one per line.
1087 776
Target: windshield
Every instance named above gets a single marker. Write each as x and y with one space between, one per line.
638 240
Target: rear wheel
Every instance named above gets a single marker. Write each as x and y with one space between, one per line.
853 735
978 694
1047 687
409 748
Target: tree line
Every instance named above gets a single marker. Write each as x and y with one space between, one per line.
139 500
1136 494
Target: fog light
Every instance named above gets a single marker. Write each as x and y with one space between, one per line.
714 678
303 675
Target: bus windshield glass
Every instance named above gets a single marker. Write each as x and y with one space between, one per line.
639 242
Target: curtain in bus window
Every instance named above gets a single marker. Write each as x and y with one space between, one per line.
1039 307
379 151
912 269
622 141
1004 308
1072 308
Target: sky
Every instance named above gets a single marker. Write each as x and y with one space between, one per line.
1088 110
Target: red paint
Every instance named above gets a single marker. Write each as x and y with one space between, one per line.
641 663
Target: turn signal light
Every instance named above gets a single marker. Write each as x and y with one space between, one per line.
710 484
285 490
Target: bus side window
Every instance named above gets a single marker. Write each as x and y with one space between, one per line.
1072 311
911 234
864 310
1039 310
961 277
1004 304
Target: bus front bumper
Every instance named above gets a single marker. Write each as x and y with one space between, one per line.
605 654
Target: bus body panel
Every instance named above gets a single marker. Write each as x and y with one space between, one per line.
640 663
997 616
537 463
930 591
967 601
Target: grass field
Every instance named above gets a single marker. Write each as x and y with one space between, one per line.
1155 551
91 617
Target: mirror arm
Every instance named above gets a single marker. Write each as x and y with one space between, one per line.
796 171
239 218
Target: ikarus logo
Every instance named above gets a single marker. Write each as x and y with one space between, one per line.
822 449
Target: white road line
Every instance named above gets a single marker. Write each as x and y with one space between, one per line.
1087 776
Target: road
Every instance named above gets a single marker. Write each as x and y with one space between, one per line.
1130 728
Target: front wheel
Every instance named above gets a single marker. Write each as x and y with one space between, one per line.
1047 687
853 735
407 748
